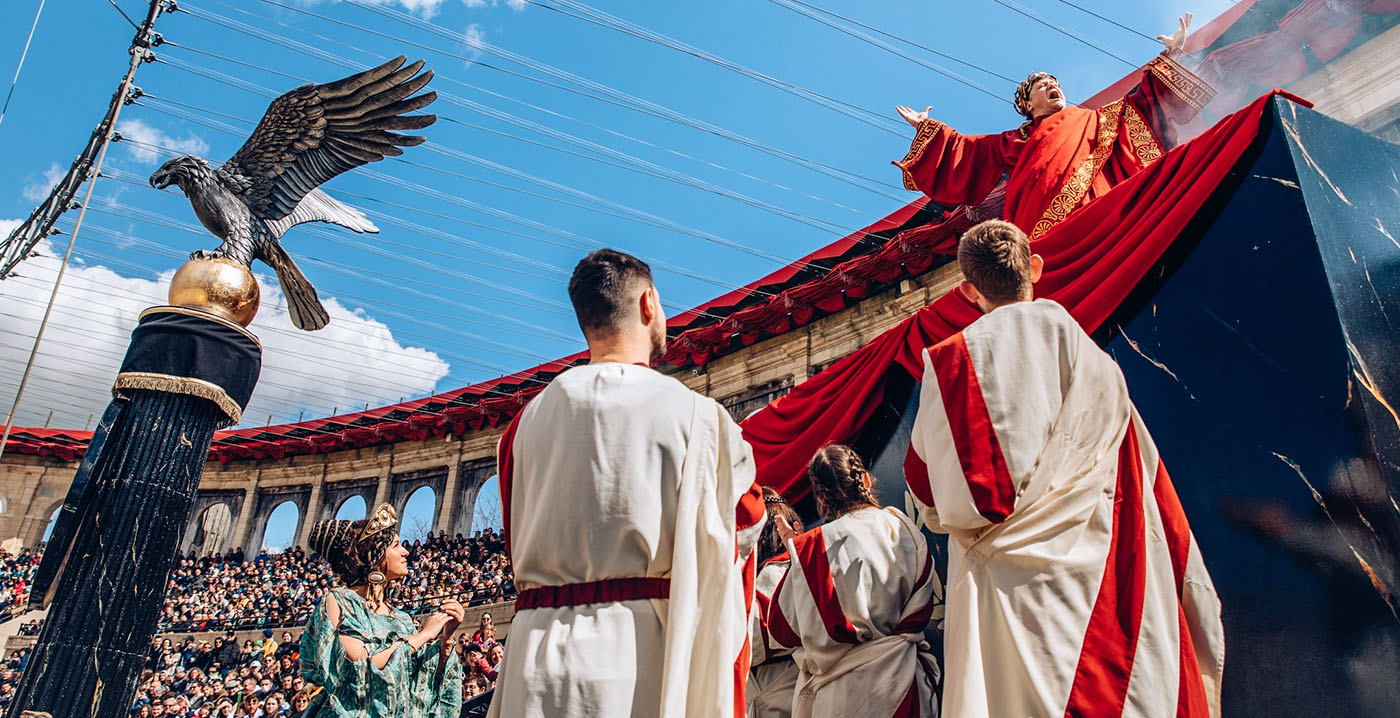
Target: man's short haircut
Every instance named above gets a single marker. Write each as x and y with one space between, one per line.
995 256
601 288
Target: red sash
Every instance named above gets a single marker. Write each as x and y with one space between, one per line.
608 590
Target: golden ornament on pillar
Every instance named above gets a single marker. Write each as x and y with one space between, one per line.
216 285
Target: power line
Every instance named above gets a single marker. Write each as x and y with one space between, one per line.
1086 41
904 40
612 22
22 55
802 10
612 96
617 210
1107 20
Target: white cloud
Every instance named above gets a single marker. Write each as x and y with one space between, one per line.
143 138
424 8
516 5
354 361
474 3
35 190
473 38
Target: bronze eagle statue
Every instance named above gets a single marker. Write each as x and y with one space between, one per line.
306 137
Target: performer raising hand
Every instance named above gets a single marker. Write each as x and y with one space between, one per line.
1062 156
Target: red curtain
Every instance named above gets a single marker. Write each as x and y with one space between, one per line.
1093 260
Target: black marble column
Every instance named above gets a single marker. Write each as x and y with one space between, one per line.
121 528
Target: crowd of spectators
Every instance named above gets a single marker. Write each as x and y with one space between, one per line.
16 573
216 676
221 592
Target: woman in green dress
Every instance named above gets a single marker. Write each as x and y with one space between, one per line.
369 658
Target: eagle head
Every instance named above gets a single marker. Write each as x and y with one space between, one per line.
184 172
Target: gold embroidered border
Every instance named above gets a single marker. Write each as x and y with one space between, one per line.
1182 82
151 381
1078 183
1144 144
928 129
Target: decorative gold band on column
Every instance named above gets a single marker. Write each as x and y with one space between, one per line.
149 381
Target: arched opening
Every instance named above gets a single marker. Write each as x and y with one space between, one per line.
212 530
352 509
53 519
488 507
281 528
417 520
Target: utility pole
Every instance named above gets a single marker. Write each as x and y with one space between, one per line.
21 242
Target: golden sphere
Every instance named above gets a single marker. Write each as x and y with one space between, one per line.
216 285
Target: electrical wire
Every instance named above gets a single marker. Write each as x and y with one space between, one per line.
22 55
1082 39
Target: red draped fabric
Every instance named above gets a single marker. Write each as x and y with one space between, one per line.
1093 260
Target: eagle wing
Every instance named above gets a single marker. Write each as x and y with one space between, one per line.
315 132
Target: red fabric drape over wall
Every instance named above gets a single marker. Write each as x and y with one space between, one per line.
1093 260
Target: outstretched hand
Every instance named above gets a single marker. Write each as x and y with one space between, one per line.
1175 41
785 530
912 117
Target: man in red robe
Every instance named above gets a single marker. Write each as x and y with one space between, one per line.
1063 155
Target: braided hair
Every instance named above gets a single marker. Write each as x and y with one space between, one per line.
770 544
352 559
838 480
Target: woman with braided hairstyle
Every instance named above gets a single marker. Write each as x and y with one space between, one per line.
369 657
855 601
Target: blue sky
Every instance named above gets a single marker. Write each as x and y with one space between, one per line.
481 225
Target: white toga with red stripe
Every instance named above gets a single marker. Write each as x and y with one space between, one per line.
630 513
772 672
854 603
1074 584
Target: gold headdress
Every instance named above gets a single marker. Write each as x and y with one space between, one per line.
355 555
383 519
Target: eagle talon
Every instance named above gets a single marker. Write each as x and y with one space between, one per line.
206 254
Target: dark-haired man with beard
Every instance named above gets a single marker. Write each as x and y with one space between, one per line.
630 510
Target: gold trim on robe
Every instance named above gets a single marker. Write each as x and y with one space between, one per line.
1182 82
1140 135
928 129
1072 193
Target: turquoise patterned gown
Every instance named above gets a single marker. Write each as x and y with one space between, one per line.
406 687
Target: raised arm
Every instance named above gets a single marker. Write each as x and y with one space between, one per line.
949 167
1169 94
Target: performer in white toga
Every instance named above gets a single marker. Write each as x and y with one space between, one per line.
630 514
855 601
1075 587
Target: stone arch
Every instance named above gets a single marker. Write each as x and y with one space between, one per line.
471 475
333 496
354 514
268 500
203 501
281 508
212 530
405 483
410 527
50 521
